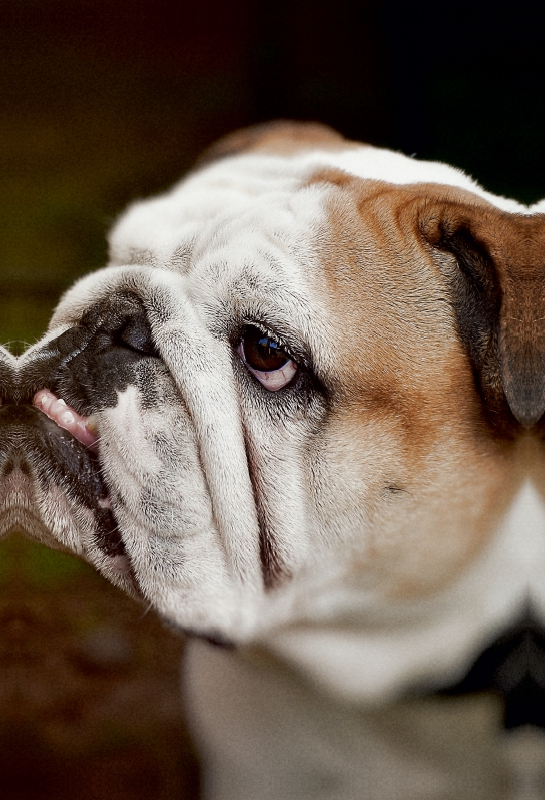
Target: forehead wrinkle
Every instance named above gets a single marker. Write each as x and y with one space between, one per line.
202 203
258 266
275 237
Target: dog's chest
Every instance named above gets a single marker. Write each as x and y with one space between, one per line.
266 734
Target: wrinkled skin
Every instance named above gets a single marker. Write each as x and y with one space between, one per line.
379 479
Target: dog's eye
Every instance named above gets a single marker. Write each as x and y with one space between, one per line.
266 359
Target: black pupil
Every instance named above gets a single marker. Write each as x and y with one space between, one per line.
262 353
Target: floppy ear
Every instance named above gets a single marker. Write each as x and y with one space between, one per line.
498 295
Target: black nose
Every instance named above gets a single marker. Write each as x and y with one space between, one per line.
90 363
86 367
513 666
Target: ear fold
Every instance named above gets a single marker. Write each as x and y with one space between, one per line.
522 332
498 295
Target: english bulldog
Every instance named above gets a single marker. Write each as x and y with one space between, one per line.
300 413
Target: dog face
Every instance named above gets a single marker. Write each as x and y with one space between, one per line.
305 395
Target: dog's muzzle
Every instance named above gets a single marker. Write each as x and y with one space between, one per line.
48 415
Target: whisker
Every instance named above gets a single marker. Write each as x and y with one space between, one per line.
146 611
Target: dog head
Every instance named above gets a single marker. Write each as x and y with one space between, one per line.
305 394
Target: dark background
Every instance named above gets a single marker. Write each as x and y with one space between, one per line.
105 101
102 101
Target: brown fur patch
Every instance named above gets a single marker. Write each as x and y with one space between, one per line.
491 267
428 374
279 138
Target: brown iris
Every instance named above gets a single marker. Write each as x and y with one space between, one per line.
261 352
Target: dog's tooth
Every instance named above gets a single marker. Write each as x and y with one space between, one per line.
68 418
92 424
44 399
56 408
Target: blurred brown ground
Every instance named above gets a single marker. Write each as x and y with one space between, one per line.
89 688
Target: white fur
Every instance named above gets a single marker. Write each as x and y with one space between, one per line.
240 240
164 228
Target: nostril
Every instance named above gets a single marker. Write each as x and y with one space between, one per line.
137 335
89 364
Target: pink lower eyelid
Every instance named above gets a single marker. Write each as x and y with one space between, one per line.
274 381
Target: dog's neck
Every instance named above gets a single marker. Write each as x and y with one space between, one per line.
429 643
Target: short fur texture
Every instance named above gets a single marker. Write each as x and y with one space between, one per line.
371 525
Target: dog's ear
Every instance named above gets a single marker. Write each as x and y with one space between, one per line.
498 295
280 136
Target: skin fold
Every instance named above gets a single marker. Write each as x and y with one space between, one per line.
301 412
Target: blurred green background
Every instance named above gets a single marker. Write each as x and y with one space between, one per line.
104 101
96 107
